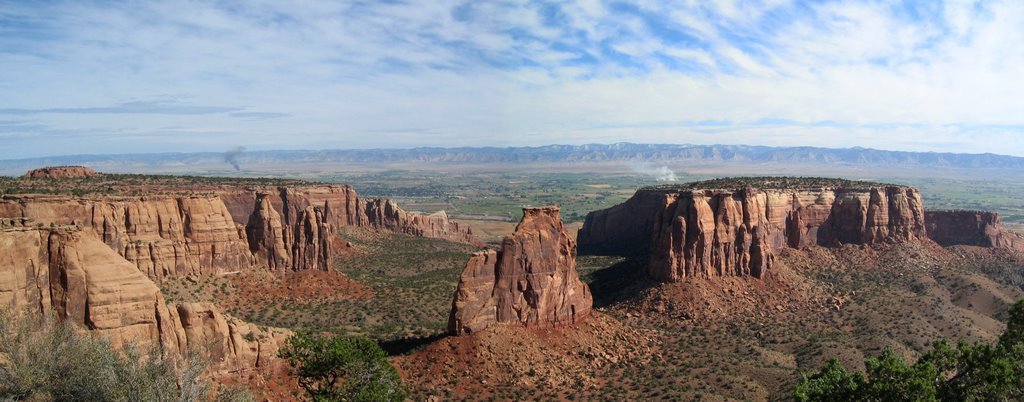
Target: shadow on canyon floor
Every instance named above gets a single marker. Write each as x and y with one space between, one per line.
620 279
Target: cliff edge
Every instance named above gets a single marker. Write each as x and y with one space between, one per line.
734 227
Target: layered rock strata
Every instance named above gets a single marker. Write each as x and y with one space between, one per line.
385 214
730 232
971 228
283 228
531 281
161 235
72 274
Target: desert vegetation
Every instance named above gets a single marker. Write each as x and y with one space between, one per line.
44 359
395 287
132 184
978 371
338 368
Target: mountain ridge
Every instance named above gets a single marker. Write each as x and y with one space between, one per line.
586 153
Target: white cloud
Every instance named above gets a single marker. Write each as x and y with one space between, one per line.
355 74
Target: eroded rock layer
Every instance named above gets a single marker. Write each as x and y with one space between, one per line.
74 275
727 232
283 228
971 228
385 214
531 281
160 235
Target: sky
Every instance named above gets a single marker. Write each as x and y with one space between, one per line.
83 77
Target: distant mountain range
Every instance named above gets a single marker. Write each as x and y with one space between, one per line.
624 152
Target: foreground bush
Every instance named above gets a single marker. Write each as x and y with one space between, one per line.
978 372
343 369
47 360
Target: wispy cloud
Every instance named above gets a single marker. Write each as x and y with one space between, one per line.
138 107
259 115
889 74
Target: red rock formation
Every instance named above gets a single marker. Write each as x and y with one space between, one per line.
231 343
725 232
532 281
971 228
385 214
61 172
624 229
161 235
72 273
311 244
283 228
266 234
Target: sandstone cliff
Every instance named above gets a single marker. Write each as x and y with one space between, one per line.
61 172
74 275
971 228
160 235
283 228
531 281
727 232
624 229
385 214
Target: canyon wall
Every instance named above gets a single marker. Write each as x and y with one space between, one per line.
971 228
531 281
72 274
728 232
283 228
624 229
161 235
385 214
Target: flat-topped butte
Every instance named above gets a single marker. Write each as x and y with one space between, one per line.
770 183
135 184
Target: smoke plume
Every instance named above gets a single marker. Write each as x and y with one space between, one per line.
231 156
660 174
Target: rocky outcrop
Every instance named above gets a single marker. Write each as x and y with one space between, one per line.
624 229
74 275
233 345
61 172
283 228
290 239
729 232
531 281
385 214
161 235
971 228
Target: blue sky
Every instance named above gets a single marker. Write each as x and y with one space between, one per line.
109 77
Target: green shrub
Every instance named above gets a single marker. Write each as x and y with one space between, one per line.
978 372
43 359
342 368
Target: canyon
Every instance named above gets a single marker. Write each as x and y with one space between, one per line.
93 249
285 228
742 270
